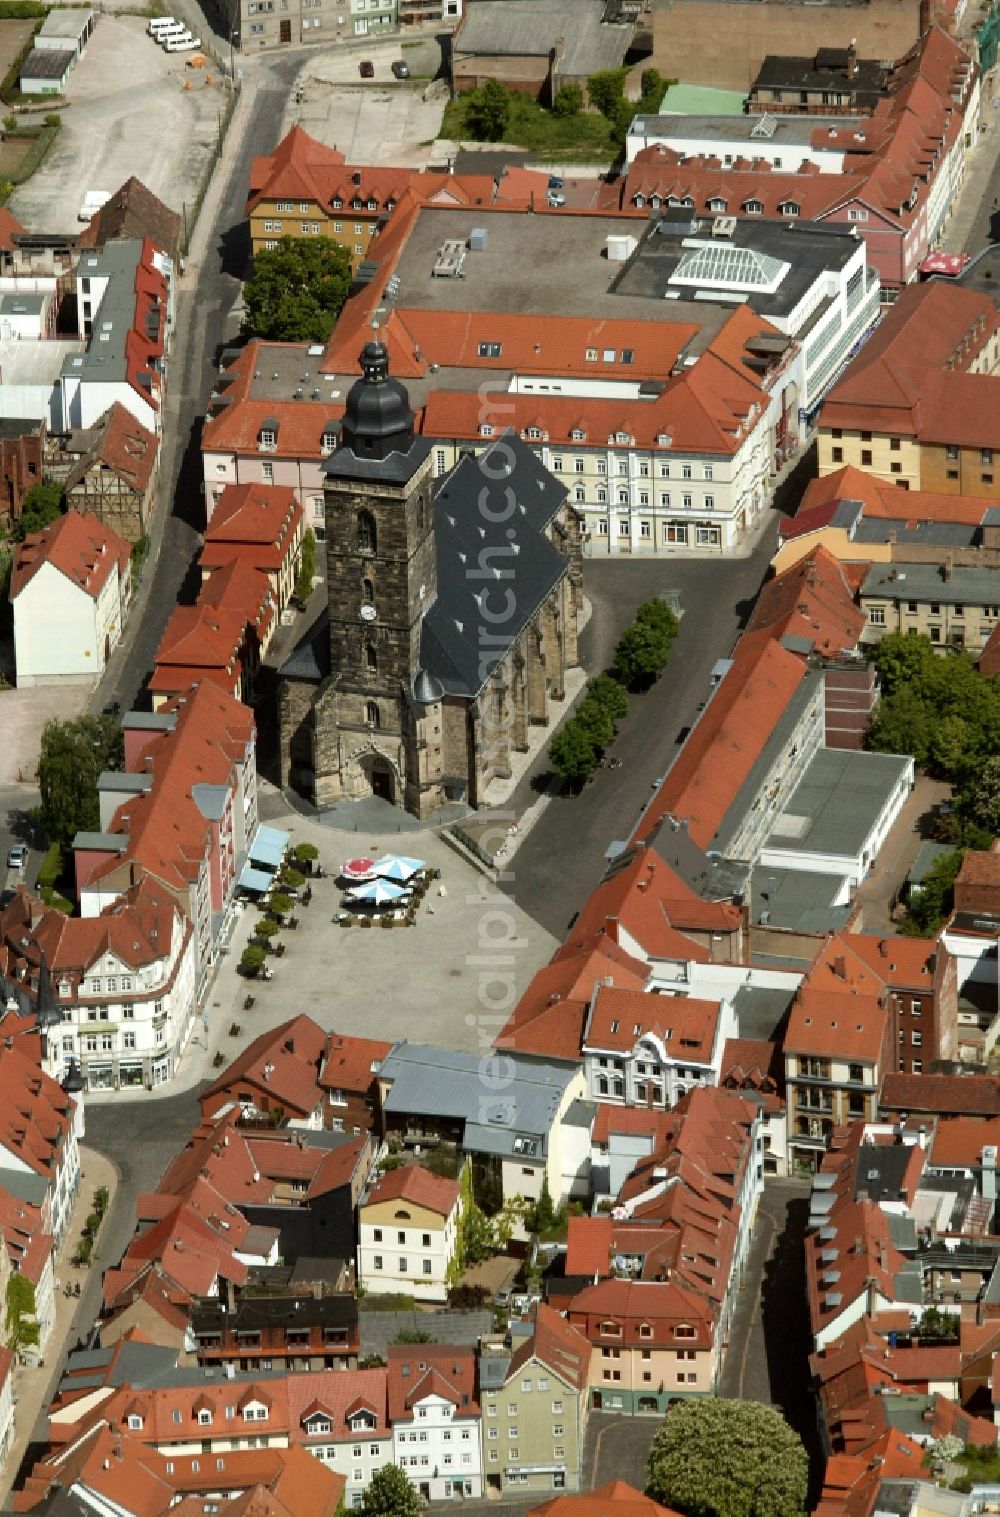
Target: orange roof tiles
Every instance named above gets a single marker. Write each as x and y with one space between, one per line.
558 1345
123 445
350 1063
648 1312
81 547
335 1394
727 739
811 600
911 377
548 1020
958 1142
686 1027
945 1095
252 521
283 1063
435 1369
616 1499
411 1182
168 837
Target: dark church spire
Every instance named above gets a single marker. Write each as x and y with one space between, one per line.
378 420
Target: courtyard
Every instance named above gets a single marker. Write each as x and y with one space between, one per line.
126 98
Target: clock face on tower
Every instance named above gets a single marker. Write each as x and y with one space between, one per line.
367 612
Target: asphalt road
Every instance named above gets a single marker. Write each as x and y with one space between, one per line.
562 858
203 308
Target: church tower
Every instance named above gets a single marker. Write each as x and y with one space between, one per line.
381 579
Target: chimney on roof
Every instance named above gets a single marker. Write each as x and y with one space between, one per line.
840 967
852 59
883 948
946 569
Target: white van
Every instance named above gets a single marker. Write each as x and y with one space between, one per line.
92 202
160 24
184 44
178 29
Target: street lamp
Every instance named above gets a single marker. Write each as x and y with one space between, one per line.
234 36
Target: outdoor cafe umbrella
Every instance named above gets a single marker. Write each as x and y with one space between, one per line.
394 867
358 869
376 892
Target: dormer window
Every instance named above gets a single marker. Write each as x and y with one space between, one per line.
204 1417
328 442
610 1330
135 1423
790 208
372 206
639 201
268 437
337 203
486 430
622 437
255 1411
534 433
490 349
753 207
717 203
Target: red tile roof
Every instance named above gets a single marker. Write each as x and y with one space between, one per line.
350 1063
557 1345
134 211
200 642
880 501
168 837
958 1142
616 1499
238 586
811 600
122 445
709 408
901 963
661 171
417 1185
79 545
548 1020
685 1027
912 376
283 1064
433 1369
728 738
944 1095
337 1395
658 1307
255 522
302 424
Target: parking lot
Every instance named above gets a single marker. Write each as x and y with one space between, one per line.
127 112
380 120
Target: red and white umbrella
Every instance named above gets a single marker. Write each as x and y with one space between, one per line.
358 869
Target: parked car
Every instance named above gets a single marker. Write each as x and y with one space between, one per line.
401 69
160 24
18 856
366 69
185 44
503 1297
556 198
556 182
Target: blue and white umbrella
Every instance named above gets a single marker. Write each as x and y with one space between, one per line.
394 867
376 892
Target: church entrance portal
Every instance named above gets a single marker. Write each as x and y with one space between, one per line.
381 779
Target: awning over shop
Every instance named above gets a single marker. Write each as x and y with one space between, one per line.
255 879
268 847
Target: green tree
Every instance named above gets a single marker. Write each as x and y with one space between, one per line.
305 853
307 565
595 721
717 1458
929 906
568 101
652 86
252 958
934 1323
267 928
542 1217
39 507
488 111
296 290
952 748
279 902
73 754
610 694
571 753
412 1335
983 804
642 651
903 723
390 1494
371 1362
606 90
902 659
656 613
